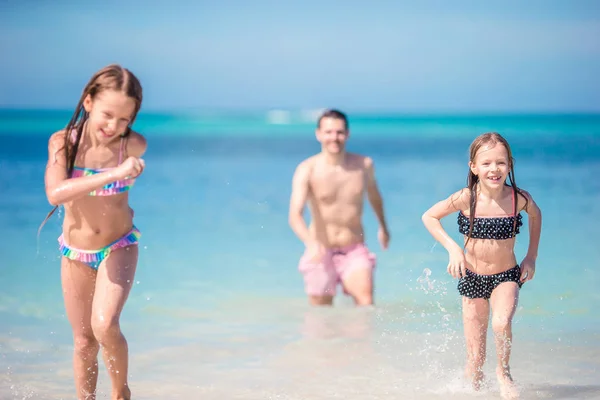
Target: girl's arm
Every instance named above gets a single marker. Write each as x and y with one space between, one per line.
535 226
60 189
431 218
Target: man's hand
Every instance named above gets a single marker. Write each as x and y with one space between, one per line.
384 237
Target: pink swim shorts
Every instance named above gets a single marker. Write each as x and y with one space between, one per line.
322 277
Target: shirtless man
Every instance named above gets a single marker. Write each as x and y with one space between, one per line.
334 183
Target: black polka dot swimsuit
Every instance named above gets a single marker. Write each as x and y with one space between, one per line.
475 286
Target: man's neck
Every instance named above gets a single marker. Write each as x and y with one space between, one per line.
338 159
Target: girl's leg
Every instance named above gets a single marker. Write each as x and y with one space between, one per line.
475 320
504 302
78 282
113 284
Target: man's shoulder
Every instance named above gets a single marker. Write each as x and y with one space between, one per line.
304 168
307 163
360 159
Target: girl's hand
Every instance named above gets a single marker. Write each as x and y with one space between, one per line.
131 168
527 269
457 265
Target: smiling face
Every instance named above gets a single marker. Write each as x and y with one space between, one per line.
110 113
332 134
491 164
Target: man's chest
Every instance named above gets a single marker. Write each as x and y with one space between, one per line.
330 187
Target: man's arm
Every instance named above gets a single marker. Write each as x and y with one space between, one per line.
373 193
298 200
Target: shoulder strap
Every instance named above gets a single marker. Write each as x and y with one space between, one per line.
122 148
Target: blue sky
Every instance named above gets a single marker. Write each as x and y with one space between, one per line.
406 56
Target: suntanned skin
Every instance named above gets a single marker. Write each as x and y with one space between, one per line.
333 184
94 299
488 257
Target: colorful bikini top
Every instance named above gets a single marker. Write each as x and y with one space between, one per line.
495 228
109 189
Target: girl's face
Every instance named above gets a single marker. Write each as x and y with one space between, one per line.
110 113
491 165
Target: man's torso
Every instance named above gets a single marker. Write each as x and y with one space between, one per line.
336 199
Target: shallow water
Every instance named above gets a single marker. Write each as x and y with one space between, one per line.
218 309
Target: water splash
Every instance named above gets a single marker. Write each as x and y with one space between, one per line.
441 336
425 281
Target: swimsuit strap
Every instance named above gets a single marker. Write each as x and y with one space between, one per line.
121 149
513 201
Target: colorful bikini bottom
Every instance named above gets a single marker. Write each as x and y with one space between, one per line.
93 258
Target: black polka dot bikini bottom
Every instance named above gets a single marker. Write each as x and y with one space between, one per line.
475 286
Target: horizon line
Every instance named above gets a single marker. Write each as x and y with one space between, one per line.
199 111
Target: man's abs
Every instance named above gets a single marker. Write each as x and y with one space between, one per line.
333 235
336 201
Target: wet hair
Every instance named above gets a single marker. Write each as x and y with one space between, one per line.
112 77
333 113
490 138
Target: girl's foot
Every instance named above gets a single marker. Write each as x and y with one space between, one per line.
124 395
477 378
508 389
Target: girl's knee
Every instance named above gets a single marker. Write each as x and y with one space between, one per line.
85 344
105 329
501 323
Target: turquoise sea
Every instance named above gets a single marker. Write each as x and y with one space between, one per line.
218 309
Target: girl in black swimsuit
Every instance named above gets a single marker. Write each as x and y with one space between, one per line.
489 217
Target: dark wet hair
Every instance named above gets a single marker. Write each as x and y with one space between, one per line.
333 113
490 138
111 77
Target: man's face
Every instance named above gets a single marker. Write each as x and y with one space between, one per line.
332 135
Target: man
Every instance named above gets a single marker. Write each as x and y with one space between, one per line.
334 183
